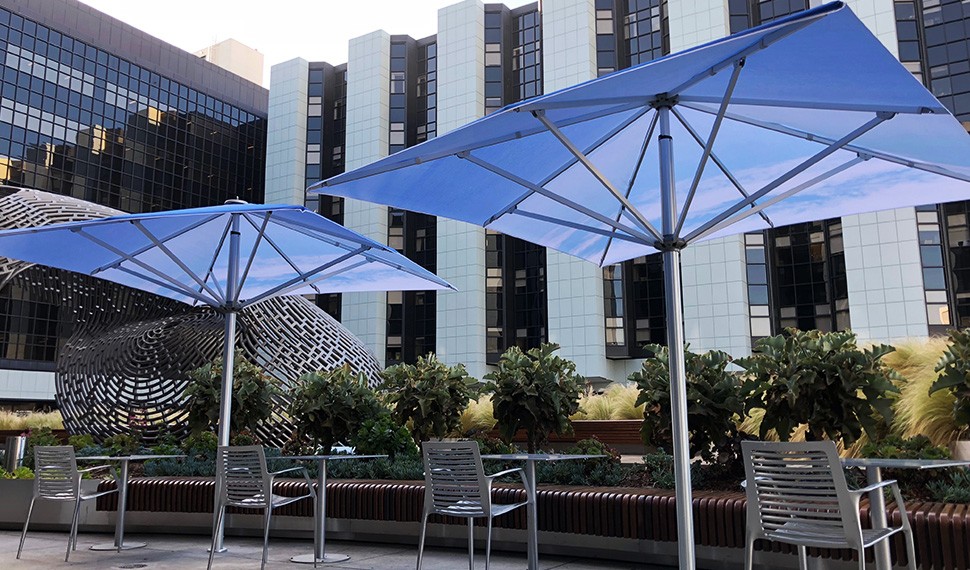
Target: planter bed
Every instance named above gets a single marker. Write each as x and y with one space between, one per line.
620 523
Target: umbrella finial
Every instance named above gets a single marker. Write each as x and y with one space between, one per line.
236 200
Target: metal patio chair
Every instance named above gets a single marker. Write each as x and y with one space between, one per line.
57 478
456 485
242 480
797 494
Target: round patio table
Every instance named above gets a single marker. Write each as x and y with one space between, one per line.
877 503
320 509
119 542
530 460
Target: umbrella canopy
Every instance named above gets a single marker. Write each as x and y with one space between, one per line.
186 254
578 170
227 257
805 118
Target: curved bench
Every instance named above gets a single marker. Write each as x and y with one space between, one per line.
942 531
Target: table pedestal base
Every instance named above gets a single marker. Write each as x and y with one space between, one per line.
111 546
327 559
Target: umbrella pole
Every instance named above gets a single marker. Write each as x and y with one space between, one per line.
228 354
675 345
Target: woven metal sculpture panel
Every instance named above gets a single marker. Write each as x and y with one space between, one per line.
124 367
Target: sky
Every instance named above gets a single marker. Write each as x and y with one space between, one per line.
316 30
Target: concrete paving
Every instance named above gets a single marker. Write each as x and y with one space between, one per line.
45 550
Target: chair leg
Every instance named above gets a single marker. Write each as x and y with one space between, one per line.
269 516
424 527
803 558
471 543
220 515
488 542
749 551
23 535
910 549
72 536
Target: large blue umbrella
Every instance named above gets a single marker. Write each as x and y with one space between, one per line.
802 119
227 257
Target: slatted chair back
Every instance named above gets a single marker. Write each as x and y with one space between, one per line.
797 493
55 472
455 482
243 474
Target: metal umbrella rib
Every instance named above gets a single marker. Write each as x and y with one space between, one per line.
814 159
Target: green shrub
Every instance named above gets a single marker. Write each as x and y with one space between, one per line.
954 488
914 483
22 472
81 441
714 403
536 391
38 436
954 369
253 393
383 436
605 471
243 437
429 394
822 380
331 406
122 444
660 468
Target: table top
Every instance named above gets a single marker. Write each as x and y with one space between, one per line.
538 456
325 457
903 463
126 457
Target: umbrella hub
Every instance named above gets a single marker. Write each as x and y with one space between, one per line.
664 100
236 200
670 243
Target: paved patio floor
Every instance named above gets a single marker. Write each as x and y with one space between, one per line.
45 550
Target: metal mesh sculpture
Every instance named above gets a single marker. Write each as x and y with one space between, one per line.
125 364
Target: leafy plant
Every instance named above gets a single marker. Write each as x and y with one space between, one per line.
252 395
244 437
536 391
383 436
331 406
820 379
38 436
714 403
81 441
914 483
122 444
21 472
606 470
429 394
953 489
954 369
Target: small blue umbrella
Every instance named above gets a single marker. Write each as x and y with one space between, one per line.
227 257
805 118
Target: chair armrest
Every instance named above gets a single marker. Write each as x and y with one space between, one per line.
306 477
287 470
502 473
491 478
874 486
111 468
